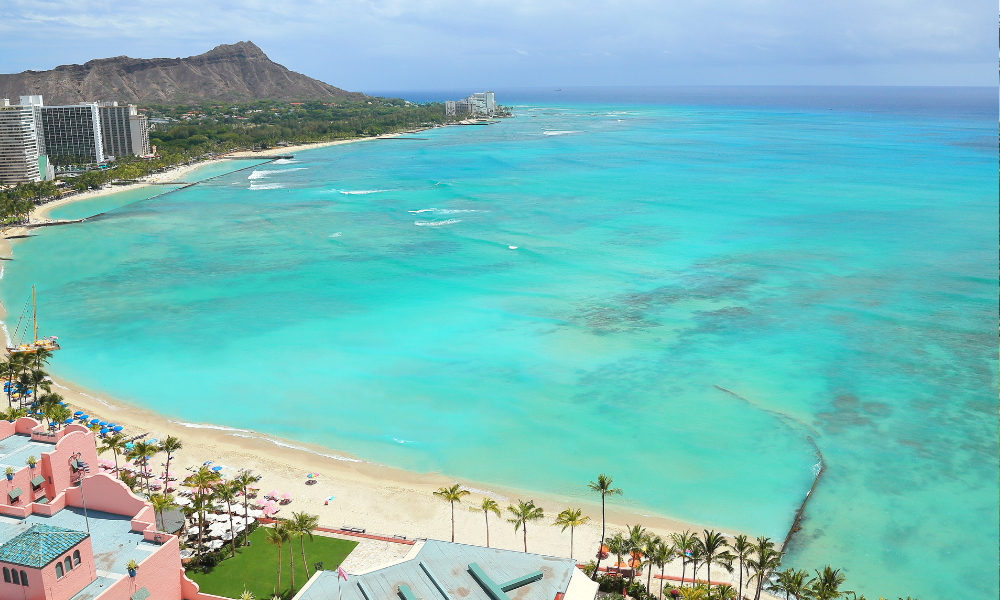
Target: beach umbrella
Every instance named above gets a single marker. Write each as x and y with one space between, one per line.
69 420
84 417
270 510
76 414
206 463
216 469
104 430
312 475
286 496
192 530
117 428
95 421
274 493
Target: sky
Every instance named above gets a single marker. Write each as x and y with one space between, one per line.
371 45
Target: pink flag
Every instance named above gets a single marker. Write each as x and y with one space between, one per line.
341 573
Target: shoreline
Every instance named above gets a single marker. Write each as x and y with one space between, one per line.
382 499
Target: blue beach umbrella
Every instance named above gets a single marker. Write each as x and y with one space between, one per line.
95 421
84 417
117 428
78 413
69 421
216 469
104 431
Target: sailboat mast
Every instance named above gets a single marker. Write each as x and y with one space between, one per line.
34 321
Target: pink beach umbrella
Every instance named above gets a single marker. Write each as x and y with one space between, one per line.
286 496
270 510
274 493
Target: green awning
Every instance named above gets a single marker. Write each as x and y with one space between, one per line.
42 500
75 464
15 493
37 481
140 594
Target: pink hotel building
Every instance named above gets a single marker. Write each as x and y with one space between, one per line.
67 534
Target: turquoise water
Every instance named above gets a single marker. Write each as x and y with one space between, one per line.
835 269
102 204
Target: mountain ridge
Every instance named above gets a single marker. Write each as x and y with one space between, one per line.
228 72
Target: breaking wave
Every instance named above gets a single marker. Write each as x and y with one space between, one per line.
436 223
265 186
352 192
559 132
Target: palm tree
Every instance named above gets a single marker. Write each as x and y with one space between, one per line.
633 546
524 513
765 560
617 545
452 494
684 543
245 479
38 378
826 585
713 551
200 504
488 506
247 595
60 414
116 444
572 518
170 446
724 592
603 486
303 524
662 555
161 502
791 583
227 493
742 550
142 451
276 536
649 546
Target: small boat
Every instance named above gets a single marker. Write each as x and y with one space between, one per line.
558 89
46 343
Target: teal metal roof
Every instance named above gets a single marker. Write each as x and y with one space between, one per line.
40 545
37 481
15 493
141 594
449 571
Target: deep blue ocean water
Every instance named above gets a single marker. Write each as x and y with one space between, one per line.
828 257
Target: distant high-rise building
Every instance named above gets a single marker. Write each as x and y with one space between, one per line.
35 102
480 103
449 108
72 133
124 131
18 144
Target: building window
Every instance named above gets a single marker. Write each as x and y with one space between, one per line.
76 557
69 564
15 579
6 575
59 570
24 579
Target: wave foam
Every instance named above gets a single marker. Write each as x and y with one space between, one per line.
486 493
422 210
265 186
206 426
294 447
559 132
338 234
445 211
436 223
285 161
353 192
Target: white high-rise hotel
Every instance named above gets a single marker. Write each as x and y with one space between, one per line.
32 133
480 103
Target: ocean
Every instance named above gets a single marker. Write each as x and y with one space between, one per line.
694 290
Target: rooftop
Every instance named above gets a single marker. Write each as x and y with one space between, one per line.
39 545
111 536
447 571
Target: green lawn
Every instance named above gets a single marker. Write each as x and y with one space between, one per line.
256 567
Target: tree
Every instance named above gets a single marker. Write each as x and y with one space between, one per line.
605 487
792 583
452 494
488 506
635 541
277 536
826 585
662 555
742 550
713 551
572 518
226 492
697 553
303 524
617 545
724 592
524 513
764 561
161 502
200 504
142 451
683 543
116 444
649 546
169 446
245 479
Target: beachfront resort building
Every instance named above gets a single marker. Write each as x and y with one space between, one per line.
124 132
18 144
68 534
435 570
478 104
72 133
